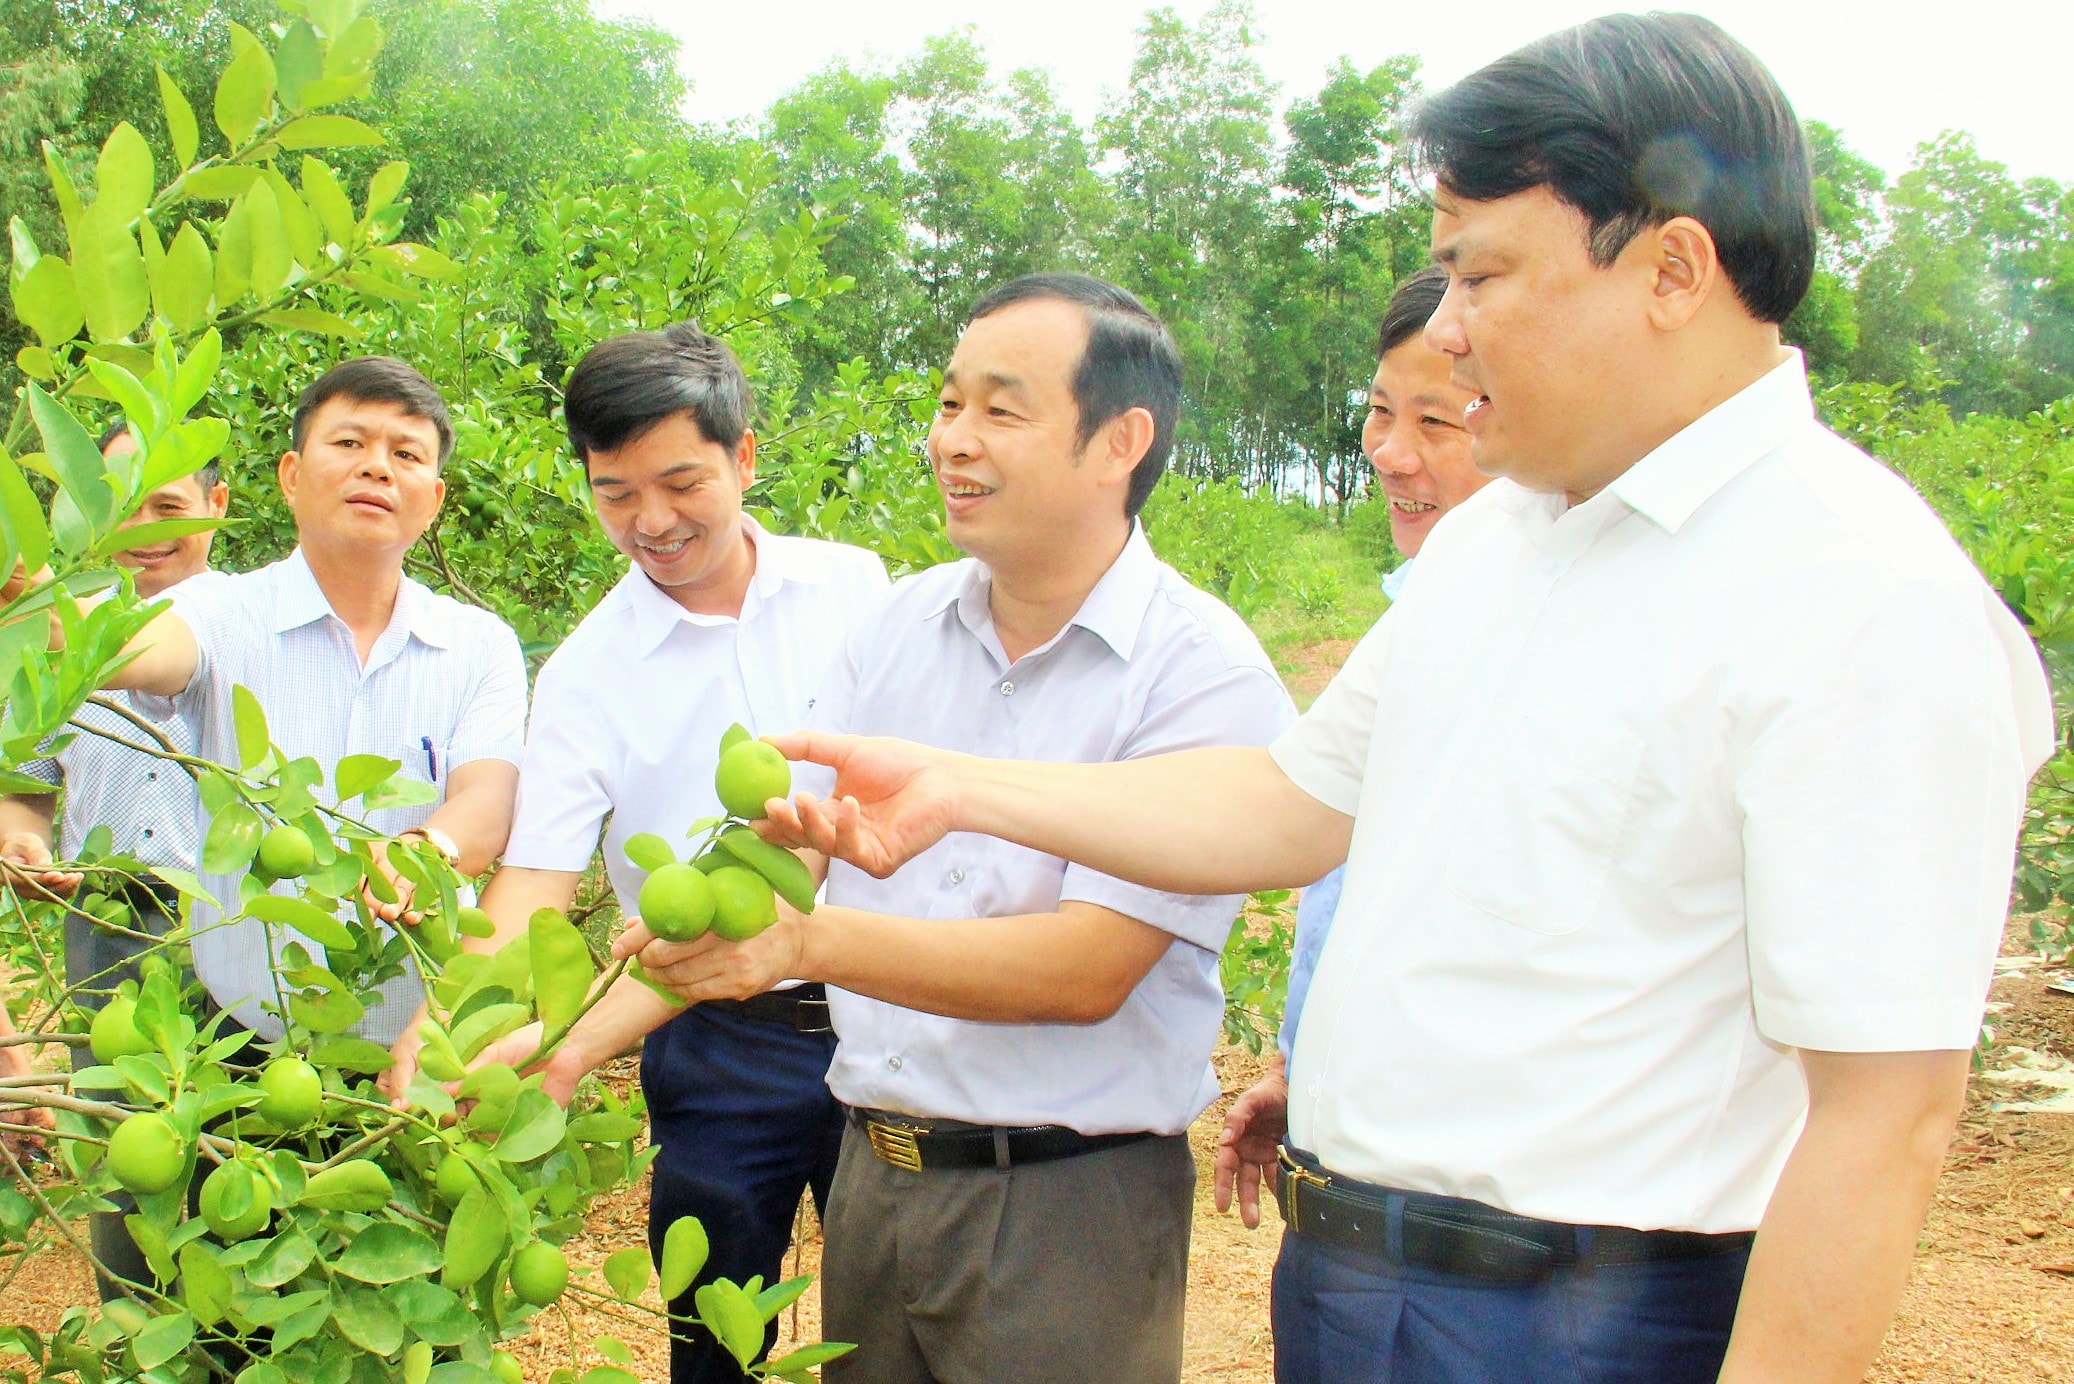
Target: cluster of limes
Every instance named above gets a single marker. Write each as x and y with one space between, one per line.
732 887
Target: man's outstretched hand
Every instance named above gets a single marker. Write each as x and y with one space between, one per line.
1249 1143
893 799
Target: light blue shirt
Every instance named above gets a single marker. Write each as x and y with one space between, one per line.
1319 902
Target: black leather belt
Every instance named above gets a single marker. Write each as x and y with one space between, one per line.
803 1007
917 1144
1457 1236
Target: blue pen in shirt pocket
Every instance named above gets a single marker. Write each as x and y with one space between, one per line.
431 758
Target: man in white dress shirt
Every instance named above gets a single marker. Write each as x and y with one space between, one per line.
349 656
715 622
1023 1042
1682 792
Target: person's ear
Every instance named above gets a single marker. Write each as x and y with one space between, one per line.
289 472
217 501
1122 444
745 461
1684 268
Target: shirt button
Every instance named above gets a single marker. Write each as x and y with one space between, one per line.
152 776
957 876
893 1063
147 833
1008 689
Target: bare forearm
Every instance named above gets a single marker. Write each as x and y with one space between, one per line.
28 813
514 894
1074 966
477 813
164 658
1833 1254
1215 821
629 1012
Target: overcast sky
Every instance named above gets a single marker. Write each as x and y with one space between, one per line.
1888 75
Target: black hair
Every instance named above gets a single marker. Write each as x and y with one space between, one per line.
625 385
376 380
1130 362
1411 306
209 473
1634 119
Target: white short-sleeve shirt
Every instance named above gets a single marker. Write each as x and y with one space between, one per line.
443 686
1725 761
628 713
1149 664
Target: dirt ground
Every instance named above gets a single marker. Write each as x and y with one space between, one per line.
1990 1300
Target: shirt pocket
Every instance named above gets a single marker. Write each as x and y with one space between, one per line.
1539 840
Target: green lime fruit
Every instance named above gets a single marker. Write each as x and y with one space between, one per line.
455 1178
677 903
115 1034
236 1202
505 1366
292 1094
286 853
744 903
145 1154
539 1272
749 775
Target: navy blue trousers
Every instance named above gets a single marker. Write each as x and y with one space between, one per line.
1345 1317
742 1112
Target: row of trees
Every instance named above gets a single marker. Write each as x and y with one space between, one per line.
1267 236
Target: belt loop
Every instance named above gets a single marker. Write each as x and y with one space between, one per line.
1001 1148
1586 1244
1393 1228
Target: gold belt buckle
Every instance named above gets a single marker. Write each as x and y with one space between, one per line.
894 1144
1294 1176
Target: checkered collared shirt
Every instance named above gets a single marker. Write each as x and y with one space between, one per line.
148 804
443 686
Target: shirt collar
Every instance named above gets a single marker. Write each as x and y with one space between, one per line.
1670 484
656 615
299 601
1114 611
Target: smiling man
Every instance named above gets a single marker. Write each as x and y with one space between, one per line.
349 656
715 622
1682 792
1022 1042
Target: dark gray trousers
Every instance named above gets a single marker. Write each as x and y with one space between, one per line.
99 960
1064 1272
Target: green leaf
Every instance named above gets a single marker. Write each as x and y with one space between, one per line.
281 1260
353 1054
400 791
536 1126
434 1313
357 773
219 184
366 1319
327 197
180 122
329 91
730 1315
244 94
123 176
74 459
46 300
162 1338
22 525
806 1357
417 1362
250 719
272 257
387 1253
306 918
779 1296
196 372
474 1239
384 185
157 531
327 132
205 1284
685 1248
608 1374
36 363
138 404
325 1009
355 48
310 320
108 273
649 851
298 61
419 261
185 281
389 290
69 205
305 236
604 1127
628 1271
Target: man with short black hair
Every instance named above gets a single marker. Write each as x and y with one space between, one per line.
1680 711
349 656
1022 1042
717 621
